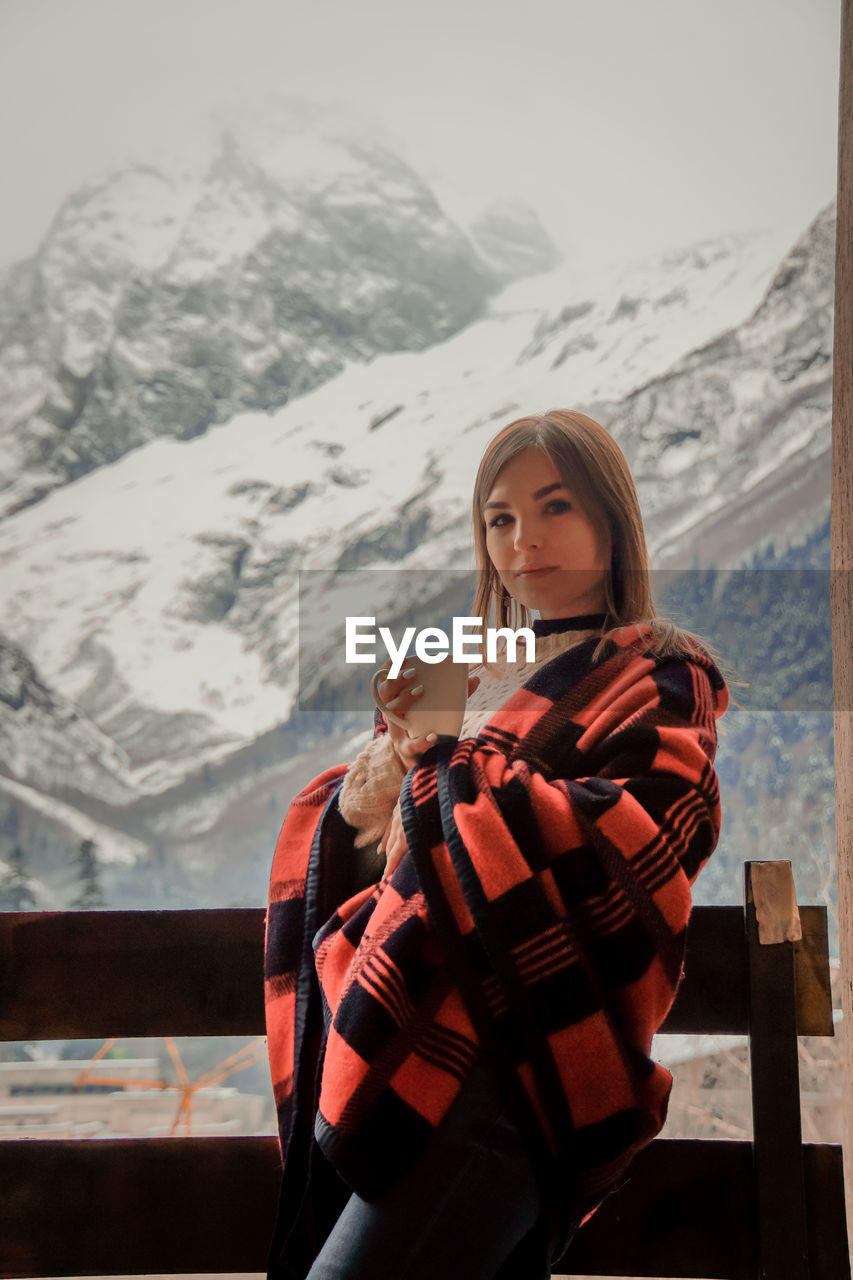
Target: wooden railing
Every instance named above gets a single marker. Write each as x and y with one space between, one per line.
773 1207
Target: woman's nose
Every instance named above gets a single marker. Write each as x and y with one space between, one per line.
526 535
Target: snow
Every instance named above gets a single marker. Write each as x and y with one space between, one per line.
119 555
782 450
113 846
135 216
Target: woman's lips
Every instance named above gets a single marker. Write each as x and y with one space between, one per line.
535 573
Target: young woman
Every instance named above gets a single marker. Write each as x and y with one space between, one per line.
459 1042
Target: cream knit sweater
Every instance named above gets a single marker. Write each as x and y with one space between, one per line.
372 785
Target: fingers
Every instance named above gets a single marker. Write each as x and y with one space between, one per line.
473 684
395 845
393 842
394 837
393 859
400 693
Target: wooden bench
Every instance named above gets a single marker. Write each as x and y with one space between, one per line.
772 1208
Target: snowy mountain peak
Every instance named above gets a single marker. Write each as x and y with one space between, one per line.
162 303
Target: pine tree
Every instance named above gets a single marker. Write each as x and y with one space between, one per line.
16 892
90 895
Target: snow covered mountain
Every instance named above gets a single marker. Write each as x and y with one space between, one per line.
158 591
168 578
48 740
60 771
732 446
161 303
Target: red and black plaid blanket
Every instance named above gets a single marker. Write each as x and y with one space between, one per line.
538 917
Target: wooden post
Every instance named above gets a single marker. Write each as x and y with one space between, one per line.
772 926
842 566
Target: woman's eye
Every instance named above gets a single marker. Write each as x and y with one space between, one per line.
558 505
497 521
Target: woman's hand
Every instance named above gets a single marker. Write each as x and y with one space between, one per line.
399 696
393 843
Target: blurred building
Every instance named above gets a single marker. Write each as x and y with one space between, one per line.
43 1099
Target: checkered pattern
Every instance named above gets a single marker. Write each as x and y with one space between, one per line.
539 917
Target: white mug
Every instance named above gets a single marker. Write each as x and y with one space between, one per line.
440 709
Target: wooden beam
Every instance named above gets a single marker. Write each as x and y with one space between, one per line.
81 975
124 1206
842 564
118 1206
659 1222
84 975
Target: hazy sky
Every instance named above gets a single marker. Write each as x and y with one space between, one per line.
629 126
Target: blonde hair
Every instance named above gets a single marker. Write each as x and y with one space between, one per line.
594 468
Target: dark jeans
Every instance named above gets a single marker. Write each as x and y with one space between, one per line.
468 1209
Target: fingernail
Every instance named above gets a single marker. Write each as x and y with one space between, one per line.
431 737
418 689
409 672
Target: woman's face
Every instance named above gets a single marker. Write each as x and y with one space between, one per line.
542 543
